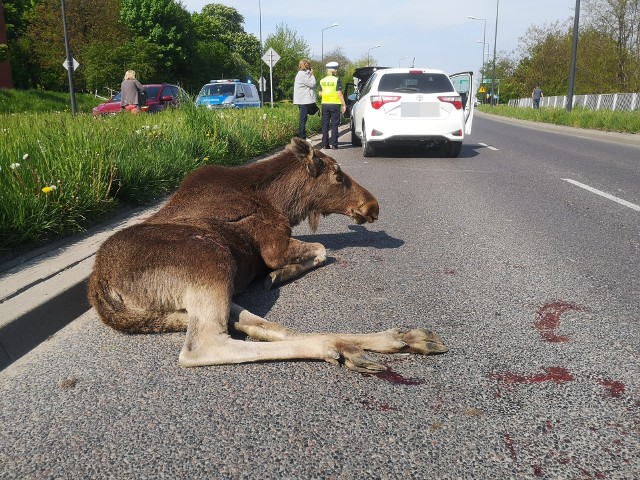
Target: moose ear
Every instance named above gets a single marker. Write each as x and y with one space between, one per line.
300 148
315 166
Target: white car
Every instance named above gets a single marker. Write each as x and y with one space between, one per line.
402 106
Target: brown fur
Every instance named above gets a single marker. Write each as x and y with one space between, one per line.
223 228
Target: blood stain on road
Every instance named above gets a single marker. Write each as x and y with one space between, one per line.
552 374
548 319
614 388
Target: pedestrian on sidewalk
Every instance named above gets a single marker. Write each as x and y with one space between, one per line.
304 95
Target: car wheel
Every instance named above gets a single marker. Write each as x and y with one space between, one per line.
452 149
355 141
368 149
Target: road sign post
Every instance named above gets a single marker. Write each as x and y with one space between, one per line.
70 60
271 57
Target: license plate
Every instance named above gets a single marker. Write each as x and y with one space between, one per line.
420 109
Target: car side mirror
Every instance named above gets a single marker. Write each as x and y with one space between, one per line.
240 95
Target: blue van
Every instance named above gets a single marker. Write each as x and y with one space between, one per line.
231 93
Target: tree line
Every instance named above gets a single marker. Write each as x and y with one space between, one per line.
164 42
608 55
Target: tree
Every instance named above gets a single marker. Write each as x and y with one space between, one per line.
619 19
106 63
223 48
167 25
291 47
86 21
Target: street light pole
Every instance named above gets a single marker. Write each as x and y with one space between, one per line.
484 42
261 82
574 54
495 44
322 51
369 56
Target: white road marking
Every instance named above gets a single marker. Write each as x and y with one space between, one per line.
488 146
603 194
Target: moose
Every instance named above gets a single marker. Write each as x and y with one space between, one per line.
223 228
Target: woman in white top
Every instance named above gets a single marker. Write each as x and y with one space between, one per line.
304 94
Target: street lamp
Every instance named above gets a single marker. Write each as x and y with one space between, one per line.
403 58
261 81
574 54
495 44
322 51
369 56
484 40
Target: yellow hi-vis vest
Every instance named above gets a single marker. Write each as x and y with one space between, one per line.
329 86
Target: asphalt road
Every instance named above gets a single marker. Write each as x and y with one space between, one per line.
530 279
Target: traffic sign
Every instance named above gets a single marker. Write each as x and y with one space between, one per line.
75 64
271 57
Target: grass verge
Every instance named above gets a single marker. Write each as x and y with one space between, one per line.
606 120
60 174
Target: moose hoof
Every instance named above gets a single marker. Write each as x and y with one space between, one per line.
272 280
424 342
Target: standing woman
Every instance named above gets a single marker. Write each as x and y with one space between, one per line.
304 94
131 91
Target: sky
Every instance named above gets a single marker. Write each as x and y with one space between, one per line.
425 33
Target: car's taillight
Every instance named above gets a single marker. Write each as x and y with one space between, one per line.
379 100
454 100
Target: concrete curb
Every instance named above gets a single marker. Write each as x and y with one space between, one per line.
44 290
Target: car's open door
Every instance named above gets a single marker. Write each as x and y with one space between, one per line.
463 83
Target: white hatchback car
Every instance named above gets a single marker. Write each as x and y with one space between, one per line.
405 106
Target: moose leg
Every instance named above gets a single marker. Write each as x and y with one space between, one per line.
299 258
208 343
389 341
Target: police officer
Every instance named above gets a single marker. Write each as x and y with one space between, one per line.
332 105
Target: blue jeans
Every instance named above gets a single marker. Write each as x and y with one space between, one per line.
330 117
536 103
302 122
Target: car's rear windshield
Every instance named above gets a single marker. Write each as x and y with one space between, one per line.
415 83
218 89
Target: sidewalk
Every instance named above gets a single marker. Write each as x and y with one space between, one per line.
45 290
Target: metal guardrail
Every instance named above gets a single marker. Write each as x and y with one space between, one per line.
607 101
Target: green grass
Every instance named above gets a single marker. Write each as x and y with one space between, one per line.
607 120
38 101
60 174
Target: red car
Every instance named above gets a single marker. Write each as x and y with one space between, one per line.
159 97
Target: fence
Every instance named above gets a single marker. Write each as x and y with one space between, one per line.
608 101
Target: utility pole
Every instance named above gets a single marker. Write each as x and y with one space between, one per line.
495 44
574 56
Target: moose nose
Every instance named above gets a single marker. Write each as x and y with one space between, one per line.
369 210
